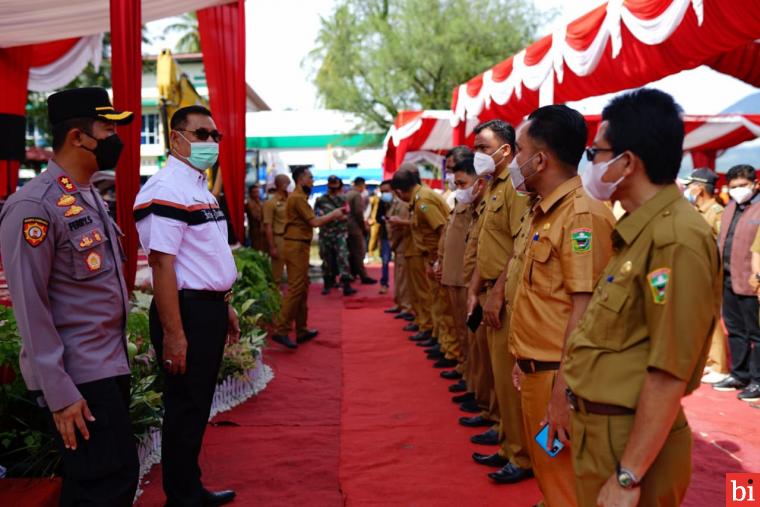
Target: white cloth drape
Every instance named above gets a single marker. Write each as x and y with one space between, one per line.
62 71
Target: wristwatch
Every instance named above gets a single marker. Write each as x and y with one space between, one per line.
626 478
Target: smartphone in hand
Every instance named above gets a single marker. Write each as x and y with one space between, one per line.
475 318
541 438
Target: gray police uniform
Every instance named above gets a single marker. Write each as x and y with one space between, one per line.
63 262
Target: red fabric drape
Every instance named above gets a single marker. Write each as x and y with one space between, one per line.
704 159
126 76
222 32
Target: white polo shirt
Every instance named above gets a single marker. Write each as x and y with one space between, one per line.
177 215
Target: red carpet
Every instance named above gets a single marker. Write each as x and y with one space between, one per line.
358 417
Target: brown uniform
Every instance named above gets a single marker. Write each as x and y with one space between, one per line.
357 233
653 307
400 236
568 248
298 235
253 210
717 358
503 211
273 212
451 258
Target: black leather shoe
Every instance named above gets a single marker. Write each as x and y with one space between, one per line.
428 343
490 437
729 383
403 315
325 290
368 281
510 474
395 309
459 387
308 335
471 407
446 363
463 397
420 336
436 355
451 375
411 327
409 317
284 340
477 421
490 460
217 498
751 393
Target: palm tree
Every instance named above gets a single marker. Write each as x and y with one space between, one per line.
187 26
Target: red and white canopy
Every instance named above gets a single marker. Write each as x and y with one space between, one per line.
621 44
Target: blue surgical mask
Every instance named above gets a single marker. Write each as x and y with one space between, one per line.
387 197
202 154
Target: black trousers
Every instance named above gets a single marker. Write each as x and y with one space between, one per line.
103 470
188 397
740 313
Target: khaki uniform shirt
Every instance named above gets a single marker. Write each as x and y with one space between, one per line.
568 247
712 212
399 234
653 307
504 207
471 241
298 213
273 212
429 213
453 245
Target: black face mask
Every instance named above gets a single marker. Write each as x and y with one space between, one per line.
107 152
306 189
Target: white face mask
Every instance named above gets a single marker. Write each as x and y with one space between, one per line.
591 178
515 172
484 163
741 194
450 182
690 196
465 195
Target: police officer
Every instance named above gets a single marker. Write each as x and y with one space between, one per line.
184 232
63 262
642 343
273 220
569 246
333 239
700 191
494 149
299 231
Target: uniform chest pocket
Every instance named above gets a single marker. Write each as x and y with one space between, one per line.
89 253
495 216
539 272
610 318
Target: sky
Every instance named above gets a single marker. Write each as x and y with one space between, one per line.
280 33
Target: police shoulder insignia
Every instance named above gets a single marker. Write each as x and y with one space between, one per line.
93 261
581 239
66 184
66 200
35 230
73 211
658 282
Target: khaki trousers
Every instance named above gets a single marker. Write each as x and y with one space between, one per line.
421 292
598 444
717 357
555 475
294 308
401 283
481 375
278 264
443 322
458 306
513 441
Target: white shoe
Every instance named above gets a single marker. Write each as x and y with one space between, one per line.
713 377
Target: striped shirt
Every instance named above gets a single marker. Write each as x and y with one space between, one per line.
177 215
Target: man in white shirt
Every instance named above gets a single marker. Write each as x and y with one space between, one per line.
185 234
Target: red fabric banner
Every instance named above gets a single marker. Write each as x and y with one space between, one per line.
126 76
222 32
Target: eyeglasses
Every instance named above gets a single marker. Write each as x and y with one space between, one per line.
592 151
203 134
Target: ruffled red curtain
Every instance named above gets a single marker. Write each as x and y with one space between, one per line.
126 76
222 32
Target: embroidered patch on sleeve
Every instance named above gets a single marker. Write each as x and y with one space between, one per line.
581 240
35 230
658 282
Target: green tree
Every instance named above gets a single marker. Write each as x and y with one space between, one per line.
187 26
376 57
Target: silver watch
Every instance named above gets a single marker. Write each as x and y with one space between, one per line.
626 478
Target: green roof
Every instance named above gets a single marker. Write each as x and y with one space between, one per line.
323 141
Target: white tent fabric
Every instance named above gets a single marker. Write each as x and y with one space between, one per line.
33 21
69 66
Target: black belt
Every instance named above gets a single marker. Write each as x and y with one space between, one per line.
205 295
531 366
590 407
307 241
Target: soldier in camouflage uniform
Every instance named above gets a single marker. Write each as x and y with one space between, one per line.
333 239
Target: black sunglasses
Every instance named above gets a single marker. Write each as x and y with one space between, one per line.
203 134
591 152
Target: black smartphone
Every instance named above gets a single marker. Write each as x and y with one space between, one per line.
475 318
